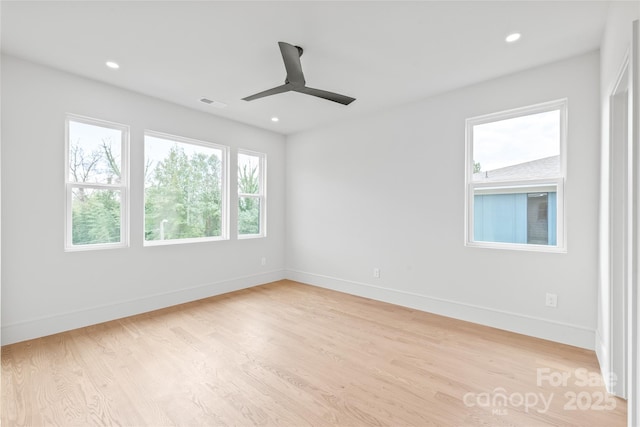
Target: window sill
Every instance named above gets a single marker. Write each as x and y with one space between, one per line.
96 247
250 236
182 241
517 247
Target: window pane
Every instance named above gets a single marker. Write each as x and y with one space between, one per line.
249 215
526 147
518 171
537 218
515 218
248 174
95 216
183 190
94 153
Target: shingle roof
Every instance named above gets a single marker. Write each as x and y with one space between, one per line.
548 167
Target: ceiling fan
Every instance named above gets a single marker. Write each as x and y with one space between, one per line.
295 79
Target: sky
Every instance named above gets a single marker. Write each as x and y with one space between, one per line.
91 137
517 140
495 145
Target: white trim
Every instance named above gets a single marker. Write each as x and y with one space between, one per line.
542 107
184 139
149 243
633 355
552 330
224 189
123 186
225 175
42 326
602 354
618 242
511 187
470 185
517 247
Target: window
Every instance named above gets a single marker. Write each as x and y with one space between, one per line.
185 190
96 184
515 178
251 194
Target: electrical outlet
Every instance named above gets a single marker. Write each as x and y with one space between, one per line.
551 300
376 273
263 261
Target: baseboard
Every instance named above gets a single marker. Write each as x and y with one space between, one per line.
36 328
602 354
528 325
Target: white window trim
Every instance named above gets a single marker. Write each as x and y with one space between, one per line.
518 186
224 190
261 196
123 187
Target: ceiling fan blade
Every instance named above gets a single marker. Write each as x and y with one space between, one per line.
295 79
284 88
291 58
335 97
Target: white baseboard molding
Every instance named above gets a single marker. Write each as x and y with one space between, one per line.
36 328
565 333
602 354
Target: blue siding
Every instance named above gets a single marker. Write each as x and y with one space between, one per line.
503 218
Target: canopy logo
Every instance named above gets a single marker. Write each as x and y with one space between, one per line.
499 400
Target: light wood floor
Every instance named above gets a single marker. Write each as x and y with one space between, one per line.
294 355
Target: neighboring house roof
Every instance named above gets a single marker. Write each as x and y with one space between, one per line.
549 167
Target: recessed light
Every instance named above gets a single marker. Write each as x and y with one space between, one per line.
275 119
512 37
112 65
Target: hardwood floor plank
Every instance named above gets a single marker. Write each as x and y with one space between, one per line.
288 354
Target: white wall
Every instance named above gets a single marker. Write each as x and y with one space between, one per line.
387 191
47 290
615 44
382 191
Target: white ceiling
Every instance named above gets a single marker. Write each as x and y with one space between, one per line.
382 53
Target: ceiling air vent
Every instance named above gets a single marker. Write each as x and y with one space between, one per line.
213 103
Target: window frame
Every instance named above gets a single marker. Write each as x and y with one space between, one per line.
224 190
261 195
123 186
518 186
